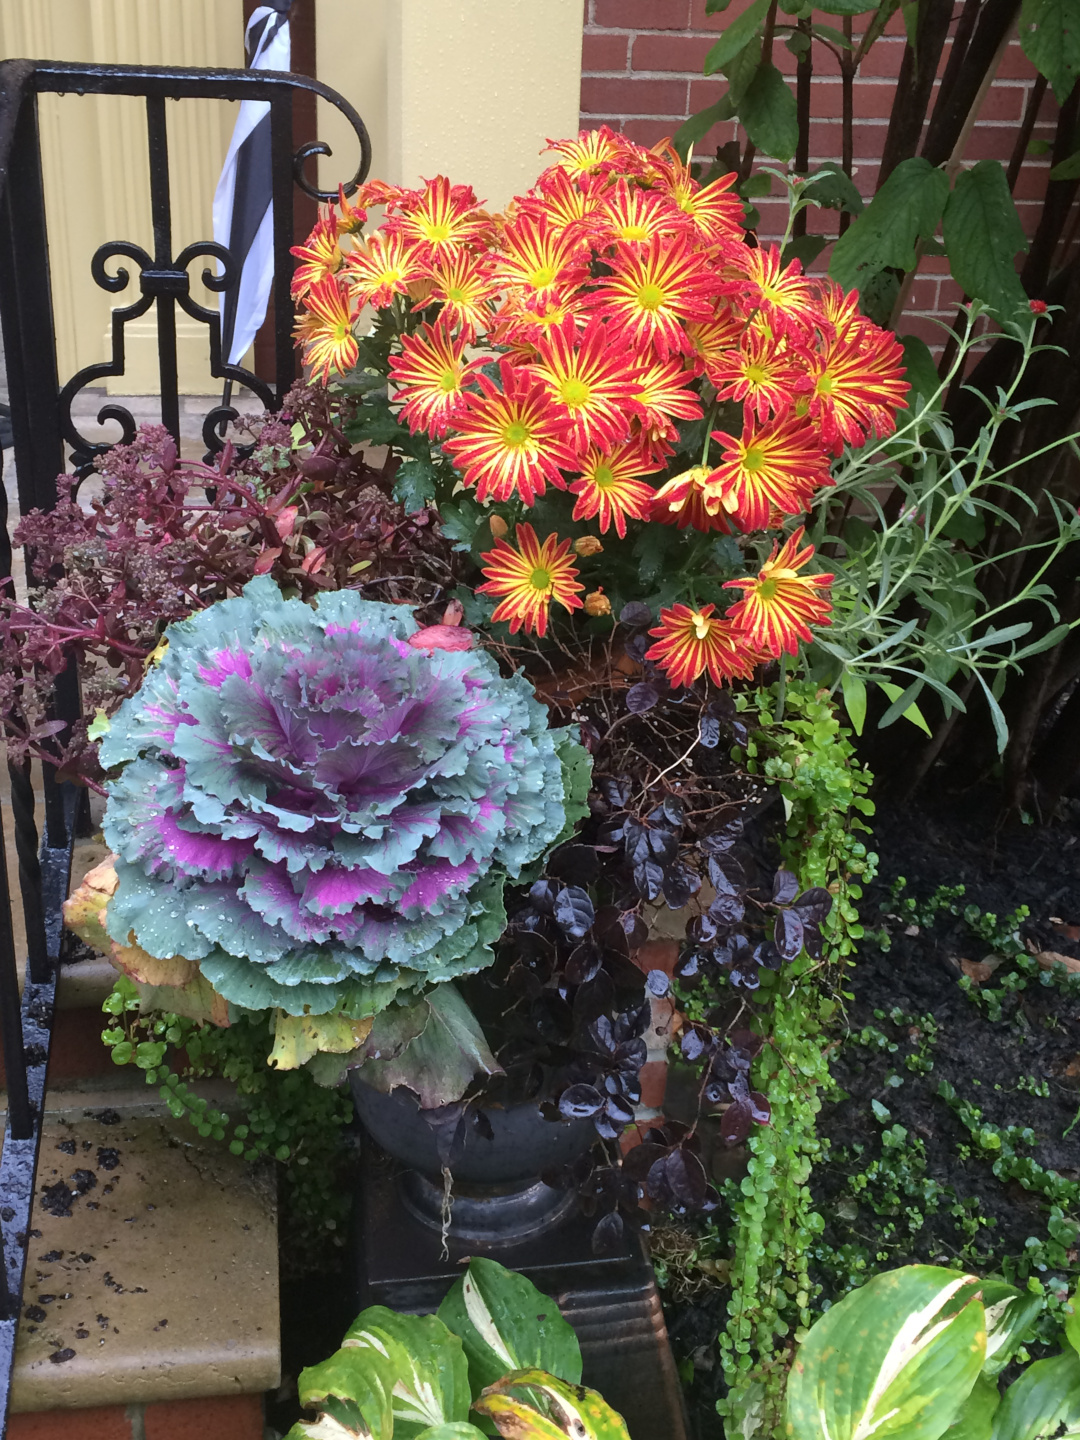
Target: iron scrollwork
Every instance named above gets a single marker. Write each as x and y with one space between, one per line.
170 284
163 280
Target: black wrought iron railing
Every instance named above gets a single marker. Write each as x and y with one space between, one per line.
42 425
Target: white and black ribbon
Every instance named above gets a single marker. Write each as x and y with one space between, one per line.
243 210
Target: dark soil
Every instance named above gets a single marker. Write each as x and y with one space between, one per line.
917 975
992 1063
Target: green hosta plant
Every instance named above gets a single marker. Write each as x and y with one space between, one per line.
915 1354
498 1349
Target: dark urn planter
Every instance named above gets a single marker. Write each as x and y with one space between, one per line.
490 1190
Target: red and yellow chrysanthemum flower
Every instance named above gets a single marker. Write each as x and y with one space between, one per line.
590 382
687 501
779 605
529 578
691 642
711 339
444 219
628 213
663 393
857 386
715 211
537 258
431 372
777 465
589 151
381 267
560 199
462 281
840 309
325 330
524 318
763 373
320 255
610 488
351 219
510 442
380 192
782 296
653 290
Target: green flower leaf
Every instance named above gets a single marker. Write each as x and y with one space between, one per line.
983 235
896 1358
736 36
907 206
422 1362
1050 38
768 114
506 1323
1046 1397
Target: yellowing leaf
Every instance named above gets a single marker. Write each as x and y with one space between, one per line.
158 653
98 726
173 971
84 911
298 1037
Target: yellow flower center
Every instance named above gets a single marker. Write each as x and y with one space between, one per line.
516 434
542 277
448 382
757 374
766 590
540 579
457 293
702 625
650 297
754 460
391 275
573 391
604 477
825 385
435 230
632 232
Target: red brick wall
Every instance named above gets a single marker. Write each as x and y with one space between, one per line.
642 74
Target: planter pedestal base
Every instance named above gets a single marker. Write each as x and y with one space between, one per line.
611 1301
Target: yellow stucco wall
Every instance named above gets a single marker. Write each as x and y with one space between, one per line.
466 88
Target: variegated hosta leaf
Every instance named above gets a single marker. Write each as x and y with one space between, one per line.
1010 1313
326 1427
352 1391
506 1323
1044 1402
896 1358
425 1365
459 1430
533 1405
1072 1324
976 1419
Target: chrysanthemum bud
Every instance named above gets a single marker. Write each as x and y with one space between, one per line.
499 527
587 545
597 603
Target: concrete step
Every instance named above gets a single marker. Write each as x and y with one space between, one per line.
152 1270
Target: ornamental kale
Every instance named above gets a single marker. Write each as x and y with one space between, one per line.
322 814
